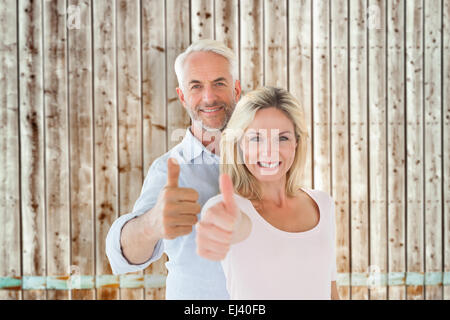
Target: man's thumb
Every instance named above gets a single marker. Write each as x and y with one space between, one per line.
173 171
227 190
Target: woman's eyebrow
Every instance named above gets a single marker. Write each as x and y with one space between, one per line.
257 132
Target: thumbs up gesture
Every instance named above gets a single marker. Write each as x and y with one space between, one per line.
219 223
176 208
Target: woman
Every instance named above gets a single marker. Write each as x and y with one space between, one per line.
275 238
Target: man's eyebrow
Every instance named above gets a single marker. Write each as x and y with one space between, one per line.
220 79
216 80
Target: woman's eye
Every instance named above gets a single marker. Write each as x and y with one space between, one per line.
283 138
254 139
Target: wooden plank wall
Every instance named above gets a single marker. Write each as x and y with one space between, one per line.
88 102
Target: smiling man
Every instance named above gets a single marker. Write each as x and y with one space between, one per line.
179 182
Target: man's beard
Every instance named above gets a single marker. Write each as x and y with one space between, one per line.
228 109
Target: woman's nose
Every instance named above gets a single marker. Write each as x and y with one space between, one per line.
270 148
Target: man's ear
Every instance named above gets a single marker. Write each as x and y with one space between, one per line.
181 96
237 90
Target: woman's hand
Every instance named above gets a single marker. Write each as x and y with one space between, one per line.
218 225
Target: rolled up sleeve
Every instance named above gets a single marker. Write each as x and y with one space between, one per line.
153 183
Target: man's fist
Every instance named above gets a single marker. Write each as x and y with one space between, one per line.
216 229
177 208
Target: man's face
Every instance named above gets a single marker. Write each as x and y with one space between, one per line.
209 94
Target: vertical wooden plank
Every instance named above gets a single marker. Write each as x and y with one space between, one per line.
251 35
105 135
56 143
9 149
321 96
396 147
358 149
129 113
177 40
433 151
340 147
414 148
154 103
227 23
275 44
446 147
32 144
376 26
202 15
300 67
81 140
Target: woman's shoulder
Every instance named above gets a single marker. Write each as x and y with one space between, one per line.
320 196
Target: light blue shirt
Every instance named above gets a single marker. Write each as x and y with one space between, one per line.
189 275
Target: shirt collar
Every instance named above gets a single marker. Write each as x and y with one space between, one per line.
193 148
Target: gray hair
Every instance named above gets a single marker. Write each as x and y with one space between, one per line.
206 45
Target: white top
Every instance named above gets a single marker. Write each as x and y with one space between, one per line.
275 264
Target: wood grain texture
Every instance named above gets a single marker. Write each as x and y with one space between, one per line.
154 103
300 68
321 96
226 29
32 144
376 28
129 113
202 19
433 143
359 152
81 143
88 102
414 145
251 35
446 134
177 40
10 244
395 67
56 143
275 44
105 135
340 135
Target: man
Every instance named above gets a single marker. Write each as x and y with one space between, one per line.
182 180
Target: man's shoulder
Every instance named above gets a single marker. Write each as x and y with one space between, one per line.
160 163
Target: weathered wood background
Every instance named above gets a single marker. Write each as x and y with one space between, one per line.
88 101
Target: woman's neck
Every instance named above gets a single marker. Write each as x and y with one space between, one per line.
274 193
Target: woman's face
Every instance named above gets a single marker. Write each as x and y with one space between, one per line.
269 145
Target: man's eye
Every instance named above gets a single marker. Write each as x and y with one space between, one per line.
220 84
196 86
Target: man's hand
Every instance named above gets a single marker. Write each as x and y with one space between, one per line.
176 209
216 228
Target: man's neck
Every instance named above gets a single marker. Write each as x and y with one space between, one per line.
210 139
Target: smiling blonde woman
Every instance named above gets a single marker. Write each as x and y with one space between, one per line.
275 237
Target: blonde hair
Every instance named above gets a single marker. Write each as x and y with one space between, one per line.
231 158
207 45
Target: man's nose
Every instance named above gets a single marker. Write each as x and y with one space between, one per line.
208 94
